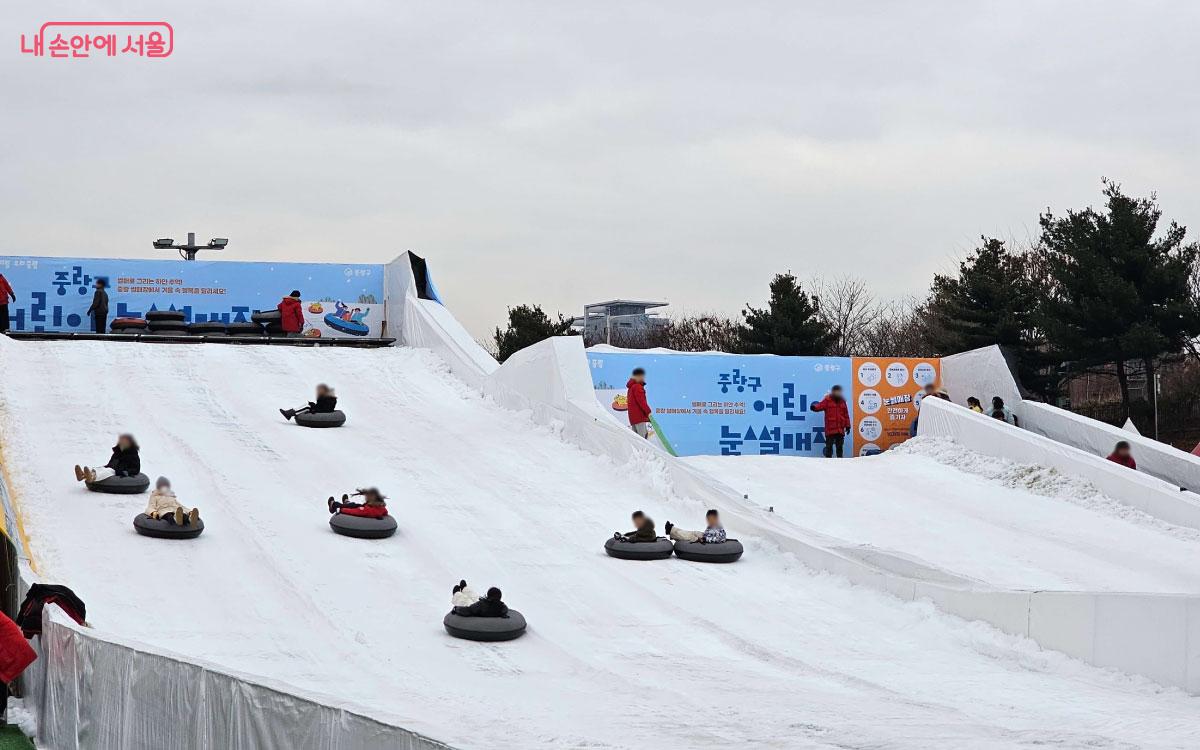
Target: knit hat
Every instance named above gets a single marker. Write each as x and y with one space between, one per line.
161 482
493 593
295 293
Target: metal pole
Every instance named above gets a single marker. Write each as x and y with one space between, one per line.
1157 376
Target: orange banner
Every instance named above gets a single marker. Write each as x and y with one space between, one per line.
887 395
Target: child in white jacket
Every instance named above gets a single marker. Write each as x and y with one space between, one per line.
165 506
462 595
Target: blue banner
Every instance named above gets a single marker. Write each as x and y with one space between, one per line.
53 294
723 404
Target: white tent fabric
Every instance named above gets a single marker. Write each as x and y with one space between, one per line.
982 373
1129 426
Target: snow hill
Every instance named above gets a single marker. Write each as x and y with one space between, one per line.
762 653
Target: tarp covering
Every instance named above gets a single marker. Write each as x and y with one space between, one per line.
982 373
1157 459
103 693
996 438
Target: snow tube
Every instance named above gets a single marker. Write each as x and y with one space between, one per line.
171 327
174 316
266 316
726 552
362 527
485 628
659 549
208 328
245 329
160 529
351 327
121 485
323 419
133 325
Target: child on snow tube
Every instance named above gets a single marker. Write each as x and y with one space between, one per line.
125 462
373 505
466 604
714 532
643 529
326 402
164 506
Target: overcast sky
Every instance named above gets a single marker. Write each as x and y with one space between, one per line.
565 153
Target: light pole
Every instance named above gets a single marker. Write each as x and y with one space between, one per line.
1157 376
188 251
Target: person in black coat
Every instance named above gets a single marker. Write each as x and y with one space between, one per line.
125 462
99 308
325 403
489 606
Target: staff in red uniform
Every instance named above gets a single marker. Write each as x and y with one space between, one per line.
837 421
639 408
291 314
6 295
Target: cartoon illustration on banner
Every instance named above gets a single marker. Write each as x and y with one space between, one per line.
887 395
53 294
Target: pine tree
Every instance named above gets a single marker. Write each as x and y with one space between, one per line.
527 325
992 300
790 324
1116 292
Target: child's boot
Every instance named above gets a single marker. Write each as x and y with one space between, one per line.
194 515
287 413
179 516
78 473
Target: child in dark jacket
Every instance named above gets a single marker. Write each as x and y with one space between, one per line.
125 462
325 403
489 606
373 505
643 529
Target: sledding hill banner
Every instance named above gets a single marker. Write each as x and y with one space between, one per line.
53 294
728 404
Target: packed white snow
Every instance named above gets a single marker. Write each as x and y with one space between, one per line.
987 518
762 653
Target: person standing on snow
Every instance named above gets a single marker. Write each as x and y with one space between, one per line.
99 308
837 421
1006 415
15 655
639 408
6 295
291 314
1122 455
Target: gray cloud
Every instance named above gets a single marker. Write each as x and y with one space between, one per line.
565 153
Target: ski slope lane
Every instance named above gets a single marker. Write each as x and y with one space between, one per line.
1004 524
763 653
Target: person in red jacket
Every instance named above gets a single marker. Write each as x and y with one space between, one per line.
1122 455
639 408
837 421
291 314
15 655
373 505
6 295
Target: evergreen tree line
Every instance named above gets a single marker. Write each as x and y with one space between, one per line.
1107 290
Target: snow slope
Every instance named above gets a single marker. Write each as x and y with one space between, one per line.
1010 525
763 653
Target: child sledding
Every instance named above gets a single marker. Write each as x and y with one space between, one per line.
711 545
167 518
368 519
320 413
643 543
485 618
121 475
